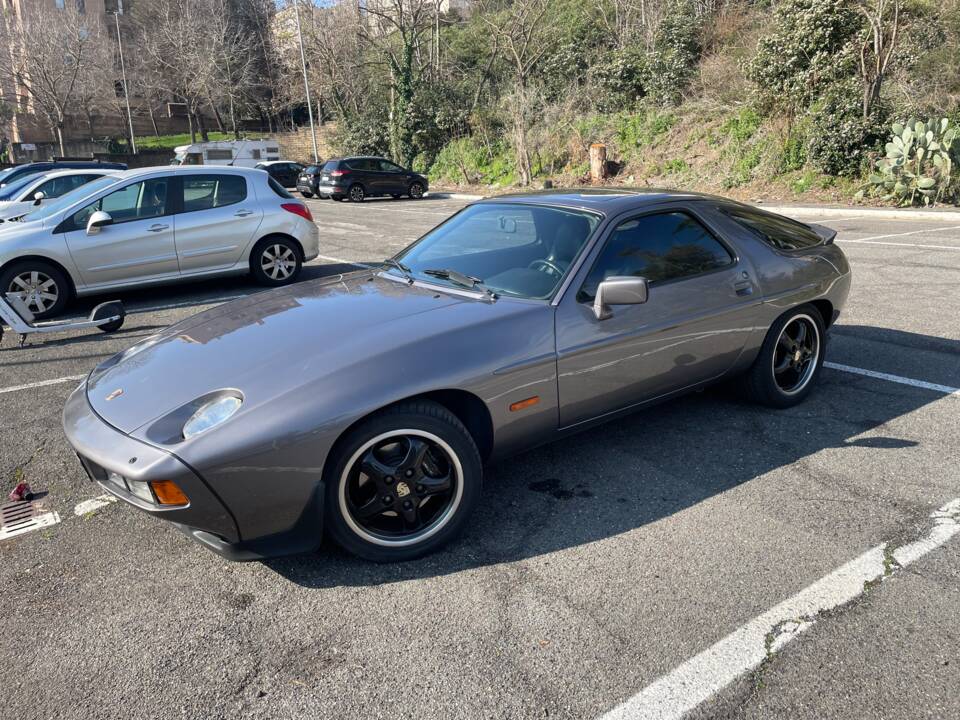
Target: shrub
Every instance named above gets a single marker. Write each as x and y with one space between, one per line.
809 48
363 134
919 164
618 81
839 137
676 51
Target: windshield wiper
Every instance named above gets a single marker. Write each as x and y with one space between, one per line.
459 278
401 267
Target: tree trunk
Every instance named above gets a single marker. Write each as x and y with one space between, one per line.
193 131
201 123
63 151
216 116
598 163
871 94
153 120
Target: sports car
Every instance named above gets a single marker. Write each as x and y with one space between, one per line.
366 405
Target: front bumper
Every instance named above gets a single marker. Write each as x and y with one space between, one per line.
103 449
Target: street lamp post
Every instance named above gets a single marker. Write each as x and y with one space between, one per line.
306 85
123 73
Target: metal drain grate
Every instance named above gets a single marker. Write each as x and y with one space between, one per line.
23 516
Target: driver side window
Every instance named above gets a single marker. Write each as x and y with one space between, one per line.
139 201
660 247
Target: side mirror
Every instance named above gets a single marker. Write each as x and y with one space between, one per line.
38 197
619 290
98 220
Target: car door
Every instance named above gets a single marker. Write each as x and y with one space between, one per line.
366 171
701 309
291 172
394 178
139 243
216 220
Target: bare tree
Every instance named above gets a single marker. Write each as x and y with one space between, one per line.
879 44
46 53
524 34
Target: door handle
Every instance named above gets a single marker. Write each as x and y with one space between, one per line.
157 228
743 287
243 213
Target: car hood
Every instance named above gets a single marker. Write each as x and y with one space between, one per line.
272 343
15 209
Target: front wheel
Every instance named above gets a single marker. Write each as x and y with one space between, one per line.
790 359
402 483
416 191
275 261
41 286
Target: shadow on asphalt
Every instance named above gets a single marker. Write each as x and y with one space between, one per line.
639 470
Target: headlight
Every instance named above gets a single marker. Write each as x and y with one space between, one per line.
211 415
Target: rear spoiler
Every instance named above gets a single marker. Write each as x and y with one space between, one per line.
826 234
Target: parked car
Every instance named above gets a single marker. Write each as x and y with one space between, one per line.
235 153
26 194
152 226
517 321
356 178
18 171
284 172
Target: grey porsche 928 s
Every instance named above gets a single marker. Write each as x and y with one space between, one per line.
367 404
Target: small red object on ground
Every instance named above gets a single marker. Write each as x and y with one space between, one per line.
21 492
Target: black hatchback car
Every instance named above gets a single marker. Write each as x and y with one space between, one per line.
356 178
21 171
284 172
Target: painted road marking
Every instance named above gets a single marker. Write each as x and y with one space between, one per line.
912 245
699 678
904 234
93 504
346 262
41 383
952 391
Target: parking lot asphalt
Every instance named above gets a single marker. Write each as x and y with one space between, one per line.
617 574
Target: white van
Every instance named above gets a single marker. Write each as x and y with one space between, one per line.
238 153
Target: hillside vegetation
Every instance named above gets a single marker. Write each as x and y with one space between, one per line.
795 98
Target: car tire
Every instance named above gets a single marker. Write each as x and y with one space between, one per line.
306 194
380 517
356 193
26 277
416 191
790 359
276 261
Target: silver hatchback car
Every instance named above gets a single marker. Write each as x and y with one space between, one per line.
156 225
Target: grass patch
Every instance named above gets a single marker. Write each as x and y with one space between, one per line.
168 142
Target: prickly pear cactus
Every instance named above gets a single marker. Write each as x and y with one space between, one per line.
919 164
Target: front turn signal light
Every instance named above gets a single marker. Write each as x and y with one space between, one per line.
168 493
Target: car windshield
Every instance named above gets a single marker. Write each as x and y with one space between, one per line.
51 208
10 192
507 248
4 174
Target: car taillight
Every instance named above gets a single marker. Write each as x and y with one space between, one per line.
298 209
338 173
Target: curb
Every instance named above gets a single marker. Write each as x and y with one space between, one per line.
888 214
455 196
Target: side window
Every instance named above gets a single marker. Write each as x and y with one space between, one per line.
204 192
660 247
781 233
389 167
363 164
62 185
139 201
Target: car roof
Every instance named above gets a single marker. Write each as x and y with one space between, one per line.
607 201
187 170
77 171
277 162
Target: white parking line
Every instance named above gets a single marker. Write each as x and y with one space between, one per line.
912 245
41 383
952 391
345 262
89 506
745 649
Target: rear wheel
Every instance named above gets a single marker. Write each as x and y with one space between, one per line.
306 194
41 286
416 191
790 359
356 193
275 261
402 483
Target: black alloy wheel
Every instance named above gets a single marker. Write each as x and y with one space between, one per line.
796 353
416 191
356 193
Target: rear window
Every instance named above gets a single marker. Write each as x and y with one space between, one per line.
312 169
779 232
330 165
279 189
